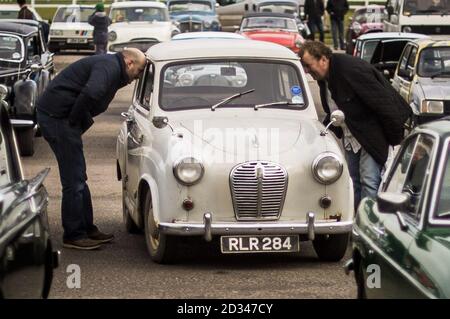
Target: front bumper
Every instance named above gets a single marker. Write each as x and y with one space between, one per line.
208 228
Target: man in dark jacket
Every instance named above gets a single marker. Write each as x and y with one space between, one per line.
100 21
374 112
314 10
24 12
64 112
337 10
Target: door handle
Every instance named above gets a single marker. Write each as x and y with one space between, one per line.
127 116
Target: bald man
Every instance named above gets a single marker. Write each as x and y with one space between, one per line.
65 111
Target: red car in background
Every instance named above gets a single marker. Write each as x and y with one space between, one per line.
365 20
277 28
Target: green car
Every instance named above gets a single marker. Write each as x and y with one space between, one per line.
401 239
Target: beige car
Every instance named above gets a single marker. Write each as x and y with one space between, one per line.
223 142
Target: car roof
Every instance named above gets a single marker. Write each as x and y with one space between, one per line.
128 4
441 126
426 43
393 35
17 28
269 14
31 23
217 48
206 34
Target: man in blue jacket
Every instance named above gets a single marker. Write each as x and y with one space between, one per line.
64 112
100 21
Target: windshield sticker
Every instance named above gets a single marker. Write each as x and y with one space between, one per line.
297 99
296 90
16 56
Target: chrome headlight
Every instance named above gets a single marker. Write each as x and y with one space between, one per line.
186 79
207 24
188 171
112 36
298 43
432 107
356 27
56 32
327 168
4 92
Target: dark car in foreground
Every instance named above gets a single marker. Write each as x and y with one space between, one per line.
401 240
27 258
26 68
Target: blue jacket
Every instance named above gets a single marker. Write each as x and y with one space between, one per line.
100 21
84 89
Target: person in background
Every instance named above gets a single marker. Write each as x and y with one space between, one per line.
375 113
337 10
24 12
100 21
314 10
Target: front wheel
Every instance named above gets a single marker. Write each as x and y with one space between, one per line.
25 139
331 247
162 248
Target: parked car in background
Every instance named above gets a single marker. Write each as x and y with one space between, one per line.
383 49
423 79
365 20
404 234
272 27
418 16
179 151
11 11
208 35
194 15
26 68
70 29
139 24
27 256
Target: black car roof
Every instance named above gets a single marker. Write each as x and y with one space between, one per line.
17 28
269 14
31 23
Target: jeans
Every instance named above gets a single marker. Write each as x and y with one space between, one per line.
100 48
365 173
337 29
67 145
316 25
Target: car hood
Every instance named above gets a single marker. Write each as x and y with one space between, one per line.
284 38
71 26
238 135
436 89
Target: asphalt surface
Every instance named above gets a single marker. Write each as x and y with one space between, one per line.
123 268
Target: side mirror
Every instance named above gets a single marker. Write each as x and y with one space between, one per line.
405 74
160 121
394 203
337 118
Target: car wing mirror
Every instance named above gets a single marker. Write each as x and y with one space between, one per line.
337 118
394 203
405 74
160 121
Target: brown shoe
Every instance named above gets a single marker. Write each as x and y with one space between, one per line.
83 244
100 237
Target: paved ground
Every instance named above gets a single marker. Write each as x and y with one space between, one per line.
124 270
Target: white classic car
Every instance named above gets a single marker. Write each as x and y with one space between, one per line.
240 158
70 29
139 24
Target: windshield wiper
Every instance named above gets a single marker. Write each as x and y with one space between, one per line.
440 73
230 98
258 106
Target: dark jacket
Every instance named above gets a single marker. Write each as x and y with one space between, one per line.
100 21
25 13
314 9
84 89
337 9
374 112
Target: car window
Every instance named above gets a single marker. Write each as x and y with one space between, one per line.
203 84
434 61
405 57
5 174
368 50
147 87
32 48
269 23
73 14
11 50
412 59
278 8
195 6
443 202
139 14
398 175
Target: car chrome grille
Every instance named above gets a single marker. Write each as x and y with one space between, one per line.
189 26
258 190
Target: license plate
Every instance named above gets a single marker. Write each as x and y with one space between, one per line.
259 244
76 40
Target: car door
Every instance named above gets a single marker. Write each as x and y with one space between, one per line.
403 78
407 175
138 126
230 13
387 54
46 55
22 235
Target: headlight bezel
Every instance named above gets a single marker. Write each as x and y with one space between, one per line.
431 107
207 24
315 168
57 33
191 161
112 36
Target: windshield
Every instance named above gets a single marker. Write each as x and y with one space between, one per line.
278 8
269 23
138 14
434 62
415 7
368 50
11 49
183 6
201 85
8 14
73 14
443 202
369 15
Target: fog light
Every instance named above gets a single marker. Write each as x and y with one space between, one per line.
325 201
188 204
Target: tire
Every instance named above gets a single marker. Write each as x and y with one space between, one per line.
332 247
130 225
162 248
25 139
360 282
